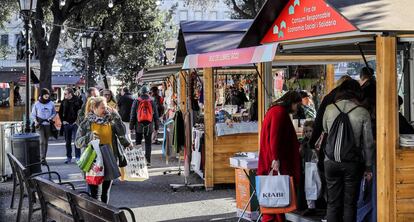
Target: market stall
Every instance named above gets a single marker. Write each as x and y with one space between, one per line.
13 93
312 31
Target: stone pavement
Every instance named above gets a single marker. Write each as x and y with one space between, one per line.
151 200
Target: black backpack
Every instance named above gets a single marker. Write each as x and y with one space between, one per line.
340 143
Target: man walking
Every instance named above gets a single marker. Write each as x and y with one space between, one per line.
124 105
68 113
144 117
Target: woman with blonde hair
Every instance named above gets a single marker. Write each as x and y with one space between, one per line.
102 124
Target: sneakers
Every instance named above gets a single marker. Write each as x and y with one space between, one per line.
68 160
148 164
77 159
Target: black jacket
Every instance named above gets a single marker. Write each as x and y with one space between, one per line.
125 105
134 124
68 110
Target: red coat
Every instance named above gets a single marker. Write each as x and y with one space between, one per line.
278 141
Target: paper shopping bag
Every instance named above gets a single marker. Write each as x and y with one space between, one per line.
273 191
281 210
313 184
136 170
111 167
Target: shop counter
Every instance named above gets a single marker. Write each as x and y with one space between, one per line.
223 129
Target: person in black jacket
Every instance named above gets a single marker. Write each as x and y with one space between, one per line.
124 108
68 113
143 128
405 126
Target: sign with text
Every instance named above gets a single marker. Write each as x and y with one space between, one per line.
306 18
242 56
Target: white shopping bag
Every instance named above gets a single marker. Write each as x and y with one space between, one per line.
273 191
313 183
136 169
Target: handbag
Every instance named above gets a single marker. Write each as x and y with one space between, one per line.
136 170
111 167
96 174
86 159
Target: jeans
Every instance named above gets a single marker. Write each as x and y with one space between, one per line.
148 140
44 132
101 192
343 183
70 133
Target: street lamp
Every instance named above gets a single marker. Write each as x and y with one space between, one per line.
86 45
26 9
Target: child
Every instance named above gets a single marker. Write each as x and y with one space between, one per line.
308 155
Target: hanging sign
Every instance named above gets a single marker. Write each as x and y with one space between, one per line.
242 56
306 18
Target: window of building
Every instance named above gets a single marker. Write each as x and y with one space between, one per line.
4 41
213 15
183 15
198 15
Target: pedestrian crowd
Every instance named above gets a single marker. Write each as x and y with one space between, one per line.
99 115
339 138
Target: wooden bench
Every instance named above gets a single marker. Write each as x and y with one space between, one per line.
27 189
62 204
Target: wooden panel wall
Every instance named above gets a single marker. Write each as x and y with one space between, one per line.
405 185
261 98
330 78
387 127
224 148
209 121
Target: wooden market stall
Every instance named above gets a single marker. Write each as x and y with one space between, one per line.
312 31
12 105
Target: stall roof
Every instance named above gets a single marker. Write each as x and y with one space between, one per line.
159 73
197 37
11 74
64 79
365 15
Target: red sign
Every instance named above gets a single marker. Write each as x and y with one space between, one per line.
306 18
263 53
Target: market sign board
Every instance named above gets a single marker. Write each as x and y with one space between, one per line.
306 18
233 57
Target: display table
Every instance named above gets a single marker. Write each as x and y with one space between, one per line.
223 129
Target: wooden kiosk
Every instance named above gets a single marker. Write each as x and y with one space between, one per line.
311 31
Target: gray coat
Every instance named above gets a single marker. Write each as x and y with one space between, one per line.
361 125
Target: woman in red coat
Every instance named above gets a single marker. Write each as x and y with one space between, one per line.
278 141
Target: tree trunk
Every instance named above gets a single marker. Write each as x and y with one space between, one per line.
46 62
103 73
91 67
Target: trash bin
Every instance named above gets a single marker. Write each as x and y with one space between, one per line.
26 148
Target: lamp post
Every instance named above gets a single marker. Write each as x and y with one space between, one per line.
26 9
86 45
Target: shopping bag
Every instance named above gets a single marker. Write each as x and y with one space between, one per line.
109 162
96 175
282 210
273 191
57 122
136 170
86 159
313 184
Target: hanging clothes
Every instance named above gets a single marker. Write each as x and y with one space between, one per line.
179 132
187 146
166 143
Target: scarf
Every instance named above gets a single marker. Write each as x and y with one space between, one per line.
43 101
92 117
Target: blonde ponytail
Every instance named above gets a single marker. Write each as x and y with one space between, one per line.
93 103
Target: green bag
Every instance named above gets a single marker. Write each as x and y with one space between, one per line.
87 158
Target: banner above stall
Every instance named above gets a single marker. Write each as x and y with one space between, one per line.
233 57
306 18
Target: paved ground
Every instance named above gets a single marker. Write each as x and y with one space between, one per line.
152 200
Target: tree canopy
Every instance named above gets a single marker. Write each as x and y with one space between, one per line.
242 9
